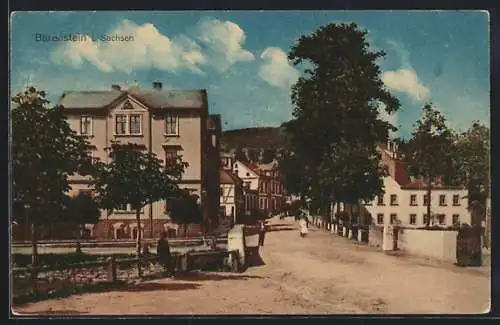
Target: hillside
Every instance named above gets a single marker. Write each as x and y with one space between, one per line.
252 138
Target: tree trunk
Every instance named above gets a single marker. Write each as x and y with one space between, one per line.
34 247
79 238
138 242
428 221
185 230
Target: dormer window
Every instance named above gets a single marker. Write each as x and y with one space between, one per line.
85 125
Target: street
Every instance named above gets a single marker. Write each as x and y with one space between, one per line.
319 274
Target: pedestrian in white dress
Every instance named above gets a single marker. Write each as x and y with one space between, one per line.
303 227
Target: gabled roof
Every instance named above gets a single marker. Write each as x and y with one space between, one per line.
152 98
252 167
226 177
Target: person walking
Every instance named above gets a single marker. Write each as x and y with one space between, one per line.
303 229
164 254
262 232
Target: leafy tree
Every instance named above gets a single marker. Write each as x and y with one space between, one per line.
82 209
472 163
137 178
184 209
337 121
268 155
253 155
240 155
45 151
428 153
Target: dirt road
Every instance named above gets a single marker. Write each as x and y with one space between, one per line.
319 274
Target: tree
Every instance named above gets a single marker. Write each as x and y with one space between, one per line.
137 178
82 209
253 155
45 151
240 155
471 159
337 122
268 155
428 153
184 209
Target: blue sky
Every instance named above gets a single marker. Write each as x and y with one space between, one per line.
240 58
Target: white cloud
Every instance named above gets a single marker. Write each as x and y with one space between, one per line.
152 49
276 70
224 40
406 80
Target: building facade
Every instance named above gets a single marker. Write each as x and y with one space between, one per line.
231 197
167 123
405 199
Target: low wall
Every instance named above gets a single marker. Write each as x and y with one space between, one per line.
436 244
375 236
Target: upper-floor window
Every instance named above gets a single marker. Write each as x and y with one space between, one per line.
456 219
456 200
380 218
135 125
442 200
394 218
394 199
426 199
380 200
171 155
413 219
171 124
121 124
85 125
413 199
441 218
246 185
426 218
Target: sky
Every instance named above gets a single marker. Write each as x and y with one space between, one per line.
240 57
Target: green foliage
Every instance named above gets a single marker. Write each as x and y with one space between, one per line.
471 158
428 153
135 177
331 142
240 155
253 155
83 209
45 151
268 155
185 208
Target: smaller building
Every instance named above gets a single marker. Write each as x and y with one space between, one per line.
231 198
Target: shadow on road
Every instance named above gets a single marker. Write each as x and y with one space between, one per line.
198 276
50 312
253 256
283 228
154 286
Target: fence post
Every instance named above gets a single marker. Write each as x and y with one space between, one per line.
111 269
34 279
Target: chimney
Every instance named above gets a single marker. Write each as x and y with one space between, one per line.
116 87
157 85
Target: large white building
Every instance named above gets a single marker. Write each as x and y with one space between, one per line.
404 201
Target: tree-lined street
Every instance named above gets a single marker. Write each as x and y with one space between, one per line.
320 274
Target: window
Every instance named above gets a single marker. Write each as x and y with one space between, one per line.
413 219
426 218
441 219
426 199
456 200
124 208
222 211
221 191
135 125
171 125
261 203
380 200
413 199
394 218
442 200
248 174
85 125
380 218
394 199
247 185
121 124
456 219
171 157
